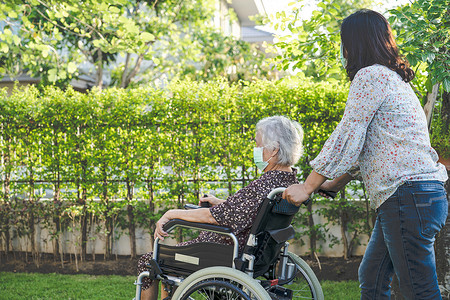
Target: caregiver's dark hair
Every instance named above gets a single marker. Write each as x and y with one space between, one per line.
367 40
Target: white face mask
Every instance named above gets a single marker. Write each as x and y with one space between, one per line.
343 59
259 160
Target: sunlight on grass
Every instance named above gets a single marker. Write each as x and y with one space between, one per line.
57 286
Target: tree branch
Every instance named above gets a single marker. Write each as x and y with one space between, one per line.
419 94
93 29
134 71
58 25
124 76
431 100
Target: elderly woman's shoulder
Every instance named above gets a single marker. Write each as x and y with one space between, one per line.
276 178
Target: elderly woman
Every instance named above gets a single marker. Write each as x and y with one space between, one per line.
278 147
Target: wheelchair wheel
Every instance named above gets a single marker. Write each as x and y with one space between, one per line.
216 290
305 284
211 283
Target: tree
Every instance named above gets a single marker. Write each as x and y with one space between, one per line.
125 39
423 32
312 47
226 57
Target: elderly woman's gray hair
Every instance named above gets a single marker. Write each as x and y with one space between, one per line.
280 132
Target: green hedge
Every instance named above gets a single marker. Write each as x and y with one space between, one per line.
141 150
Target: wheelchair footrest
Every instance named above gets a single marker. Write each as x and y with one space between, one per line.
280 293
154 269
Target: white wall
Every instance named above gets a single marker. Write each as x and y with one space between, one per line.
121 244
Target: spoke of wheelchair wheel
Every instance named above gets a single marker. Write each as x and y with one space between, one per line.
302 291
210 293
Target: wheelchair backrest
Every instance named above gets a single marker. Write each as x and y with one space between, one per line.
271 229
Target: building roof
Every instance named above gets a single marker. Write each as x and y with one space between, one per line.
246 8
253 35
21 78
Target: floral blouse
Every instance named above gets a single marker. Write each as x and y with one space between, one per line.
239 211
383 134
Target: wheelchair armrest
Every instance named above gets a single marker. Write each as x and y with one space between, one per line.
209 227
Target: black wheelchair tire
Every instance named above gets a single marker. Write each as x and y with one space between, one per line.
305 285
214 290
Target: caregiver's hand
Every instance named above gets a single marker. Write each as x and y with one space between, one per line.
296 194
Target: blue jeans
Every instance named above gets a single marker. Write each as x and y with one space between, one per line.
402 242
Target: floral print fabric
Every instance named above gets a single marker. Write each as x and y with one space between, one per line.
383 133
240 209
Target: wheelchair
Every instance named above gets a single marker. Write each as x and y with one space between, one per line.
264 270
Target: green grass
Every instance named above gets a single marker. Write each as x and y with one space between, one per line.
342 290
57 286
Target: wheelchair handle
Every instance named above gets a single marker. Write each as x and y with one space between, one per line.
280 190
330 194
275 192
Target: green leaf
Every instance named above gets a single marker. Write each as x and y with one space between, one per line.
429 84
12 14
97 43
71 67
4 48
147 37
53 75
446 84
16 40
114 9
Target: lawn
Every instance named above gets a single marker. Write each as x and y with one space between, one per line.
57 286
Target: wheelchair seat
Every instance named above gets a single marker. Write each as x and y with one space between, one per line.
265 258
185 260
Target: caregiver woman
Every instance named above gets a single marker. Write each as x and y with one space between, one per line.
383 136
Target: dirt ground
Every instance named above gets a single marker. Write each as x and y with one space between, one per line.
333 268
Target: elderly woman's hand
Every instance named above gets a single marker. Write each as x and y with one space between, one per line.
296 194
159 232
211 199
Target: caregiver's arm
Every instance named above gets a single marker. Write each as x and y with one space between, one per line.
336 184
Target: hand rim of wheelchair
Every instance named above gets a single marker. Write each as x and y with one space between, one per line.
247 282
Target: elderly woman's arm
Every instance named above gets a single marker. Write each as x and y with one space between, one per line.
201 215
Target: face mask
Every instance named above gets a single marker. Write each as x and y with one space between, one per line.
259 160
343 59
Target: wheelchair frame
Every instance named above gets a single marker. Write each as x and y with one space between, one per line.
242 267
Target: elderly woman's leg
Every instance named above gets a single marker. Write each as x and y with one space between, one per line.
151 293
149 288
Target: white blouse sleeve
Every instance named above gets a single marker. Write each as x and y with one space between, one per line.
342 149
